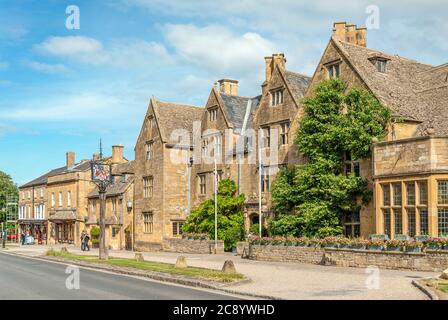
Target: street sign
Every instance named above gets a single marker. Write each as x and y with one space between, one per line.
101 172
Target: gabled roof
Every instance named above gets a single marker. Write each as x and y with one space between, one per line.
297 83
413 90
235 108
171 116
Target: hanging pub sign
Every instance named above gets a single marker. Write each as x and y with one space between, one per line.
101 172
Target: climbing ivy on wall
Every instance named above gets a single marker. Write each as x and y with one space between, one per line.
310 199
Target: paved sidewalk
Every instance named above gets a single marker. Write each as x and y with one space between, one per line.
286 280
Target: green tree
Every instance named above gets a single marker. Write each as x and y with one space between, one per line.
7 189
337 120
230 216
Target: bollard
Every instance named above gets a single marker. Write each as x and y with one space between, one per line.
139 256
181 263
228 267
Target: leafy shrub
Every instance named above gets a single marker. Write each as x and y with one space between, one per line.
95 233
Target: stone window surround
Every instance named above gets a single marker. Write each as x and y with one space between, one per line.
148 187
149 150
420 208
148 222
177 227
276 96
212 113
333 69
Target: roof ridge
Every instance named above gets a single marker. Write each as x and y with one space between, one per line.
384 53
179 104
298 73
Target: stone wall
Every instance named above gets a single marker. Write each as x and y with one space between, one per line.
432 261
286 254
192 246
429 261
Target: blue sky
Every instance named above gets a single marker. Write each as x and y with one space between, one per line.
61 90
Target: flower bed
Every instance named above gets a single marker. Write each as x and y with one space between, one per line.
376 243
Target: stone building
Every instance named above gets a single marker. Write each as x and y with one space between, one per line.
162 173
274 121
119 209
32 208
410 163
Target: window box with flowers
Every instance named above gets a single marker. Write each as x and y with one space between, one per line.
376 245
435 244
395 245
414 246
331 242
359 244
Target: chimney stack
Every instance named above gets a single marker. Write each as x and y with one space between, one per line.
350 33
272 61
117 154
228 86
70 159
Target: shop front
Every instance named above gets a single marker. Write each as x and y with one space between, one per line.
63 227
34 231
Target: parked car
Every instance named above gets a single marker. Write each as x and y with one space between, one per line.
13 236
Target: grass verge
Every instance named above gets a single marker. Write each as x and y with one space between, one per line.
192 272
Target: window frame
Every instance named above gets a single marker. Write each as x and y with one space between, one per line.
148 187
148 222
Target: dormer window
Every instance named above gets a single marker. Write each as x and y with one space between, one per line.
333 70
276 97
379 62
213 114
380 65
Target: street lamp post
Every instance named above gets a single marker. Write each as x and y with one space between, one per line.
104 254
102 177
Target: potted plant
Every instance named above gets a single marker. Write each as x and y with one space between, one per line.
434 244
95 235
383 237
314 242
345 243
414 246
330 242
302 242
359 244
394 245
377 245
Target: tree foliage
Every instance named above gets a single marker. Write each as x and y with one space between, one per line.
337 121
7 189
230 216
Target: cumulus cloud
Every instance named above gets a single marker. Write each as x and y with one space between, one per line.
47 68
217 49
119 54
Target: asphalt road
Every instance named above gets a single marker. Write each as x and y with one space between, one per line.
29 279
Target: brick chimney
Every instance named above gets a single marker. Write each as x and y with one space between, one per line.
272 61
117 154
228 86
70 159
350 33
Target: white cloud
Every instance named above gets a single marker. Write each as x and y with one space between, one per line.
118 54
70 46
47 68
87 105
217 49
5 82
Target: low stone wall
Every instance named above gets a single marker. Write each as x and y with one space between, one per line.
242 247
192 246
147 246
427 261
286 253
432 261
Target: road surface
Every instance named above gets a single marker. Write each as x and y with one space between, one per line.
30 279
